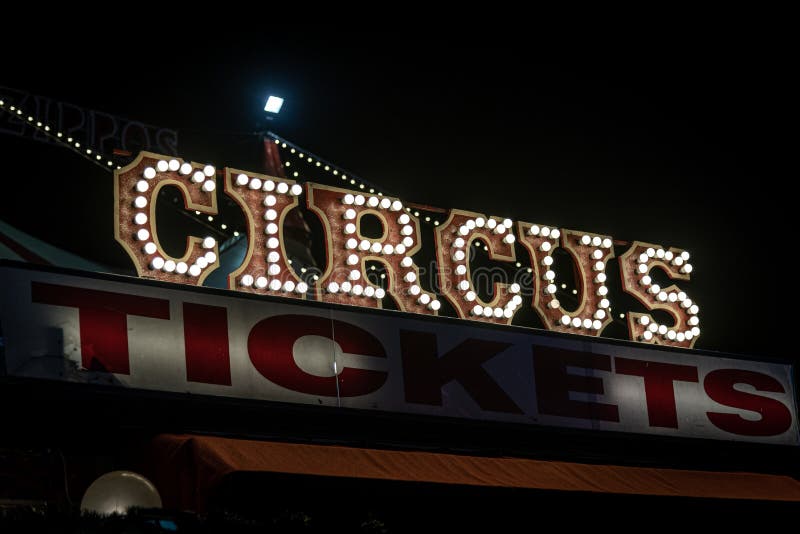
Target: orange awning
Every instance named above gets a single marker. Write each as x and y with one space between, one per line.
187 468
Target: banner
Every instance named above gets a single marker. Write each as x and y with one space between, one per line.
127 332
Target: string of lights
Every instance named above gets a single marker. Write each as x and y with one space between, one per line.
89 153
294 156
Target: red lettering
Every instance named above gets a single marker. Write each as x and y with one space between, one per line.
425 372
775 416
103 321
553 383
205 336
658 387
271 349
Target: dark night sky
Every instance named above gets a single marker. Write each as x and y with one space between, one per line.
666 140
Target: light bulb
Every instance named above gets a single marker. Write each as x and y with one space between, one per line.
461 270
534 230
162 166
576 322
246 280
273 257
140 202
376 247
174 165
195 270
380 293
477 310
149 173
142 234
488 311
272 242
545 232
209 171
282 188
201 262
140 218
274 269
241 179
181 266
547 261
406 262
607 243
169 266
514 288
585 240
480 222
470 296
186 168
210 257
463 285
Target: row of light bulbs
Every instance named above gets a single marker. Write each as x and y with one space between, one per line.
87 152
327 167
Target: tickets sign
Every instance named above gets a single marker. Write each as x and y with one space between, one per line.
131 333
